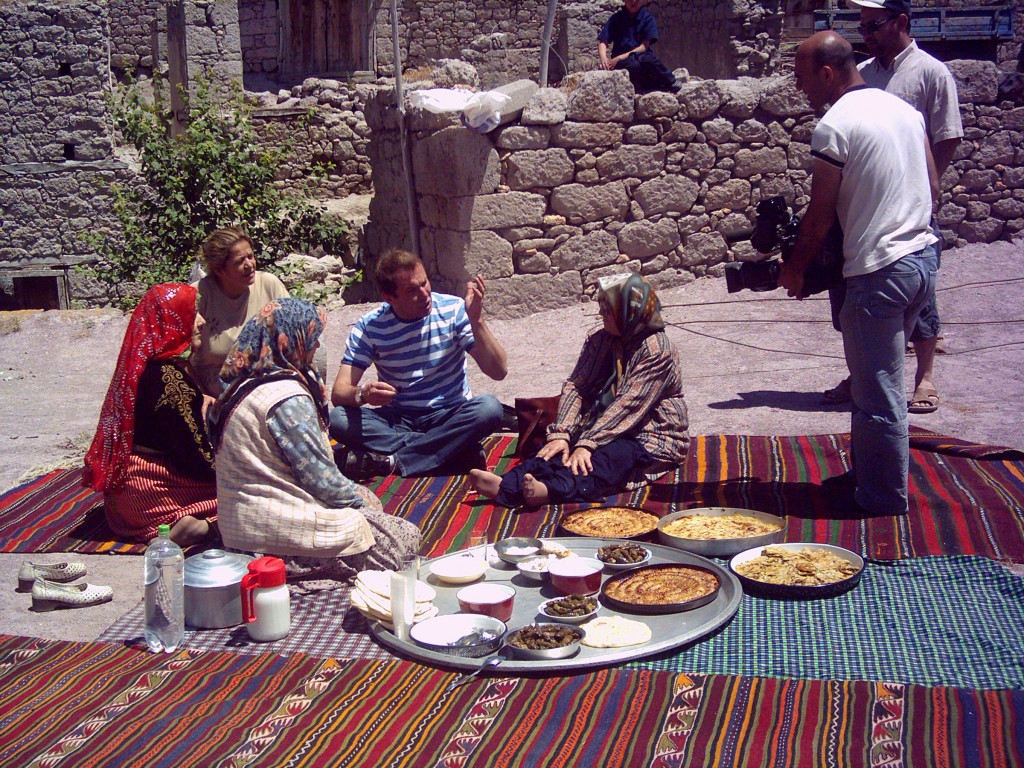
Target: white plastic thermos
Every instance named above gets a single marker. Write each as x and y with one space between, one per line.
266 611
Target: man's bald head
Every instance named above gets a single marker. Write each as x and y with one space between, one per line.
825 68
828 49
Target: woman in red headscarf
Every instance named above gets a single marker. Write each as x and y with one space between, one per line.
151 457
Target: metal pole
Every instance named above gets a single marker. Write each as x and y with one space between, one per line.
410 205
545 42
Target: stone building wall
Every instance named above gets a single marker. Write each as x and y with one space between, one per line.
597 181
55 144
322 123
131 34
260 36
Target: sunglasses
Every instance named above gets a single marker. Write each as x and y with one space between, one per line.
872 27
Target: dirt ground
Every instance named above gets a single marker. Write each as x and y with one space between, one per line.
753 364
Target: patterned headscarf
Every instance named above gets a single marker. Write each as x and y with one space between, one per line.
273 345
160 328
636 312
634 306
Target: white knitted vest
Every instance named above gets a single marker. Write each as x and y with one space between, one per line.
260 507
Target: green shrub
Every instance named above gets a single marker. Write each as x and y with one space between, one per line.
213 174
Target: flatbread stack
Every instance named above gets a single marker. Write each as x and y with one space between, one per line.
614 632
372 597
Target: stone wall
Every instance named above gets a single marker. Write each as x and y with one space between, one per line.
321 121
55 143
260 37
131 34
597 181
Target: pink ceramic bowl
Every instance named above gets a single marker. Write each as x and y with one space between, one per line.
576 575
494 600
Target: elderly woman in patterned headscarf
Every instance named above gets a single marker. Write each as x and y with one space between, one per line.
151 456
621 419
279 491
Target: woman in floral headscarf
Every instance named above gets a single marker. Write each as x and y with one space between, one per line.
278 488
151 457
621 419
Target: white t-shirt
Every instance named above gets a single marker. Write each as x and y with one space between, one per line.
885 201
924 83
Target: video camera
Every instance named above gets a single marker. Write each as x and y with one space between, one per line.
776 228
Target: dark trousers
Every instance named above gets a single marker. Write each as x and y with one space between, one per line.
647 73
614 465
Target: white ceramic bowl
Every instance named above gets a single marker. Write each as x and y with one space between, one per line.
626 566
534 568
460 634
517 548
543 611
459 569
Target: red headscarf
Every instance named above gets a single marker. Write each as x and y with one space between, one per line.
160 328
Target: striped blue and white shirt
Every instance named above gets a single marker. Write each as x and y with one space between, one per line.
424 359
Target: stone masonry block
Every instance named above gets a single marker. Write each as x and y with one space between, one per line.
539 168
455 162
594 249
580 204
666 194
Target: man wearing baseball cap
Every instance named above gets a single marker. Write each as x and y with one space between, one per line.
901 68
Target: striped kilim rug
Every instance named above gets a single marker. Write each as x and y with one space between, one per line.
965 499
94 704
931 621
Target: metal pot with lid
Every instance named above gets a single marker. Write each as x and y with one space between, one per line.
212 592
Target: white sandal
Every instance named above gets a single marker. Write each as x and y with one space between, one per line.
47 596
57 573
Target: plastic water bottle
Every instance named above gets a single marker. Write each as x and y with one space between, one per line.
165 593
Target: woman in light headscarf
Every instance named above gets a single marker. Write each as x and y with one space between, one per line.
151 457
621 419
278 488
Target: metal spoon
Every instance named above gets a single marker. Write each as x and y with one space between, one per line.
488 663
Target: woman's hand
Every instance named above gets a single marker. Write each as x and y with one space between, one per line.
579 462
207 402
554 448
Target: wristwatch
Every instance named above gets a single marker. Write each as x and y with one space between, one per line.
359 395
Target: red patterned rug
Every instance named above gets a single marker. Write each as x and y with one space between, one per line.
965 499
99 704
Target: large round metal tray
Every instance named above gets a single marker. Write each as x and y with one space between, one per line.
721 547
668 631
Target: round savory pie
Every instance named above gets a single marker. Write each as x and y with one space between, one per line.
610 522
731 526
662 585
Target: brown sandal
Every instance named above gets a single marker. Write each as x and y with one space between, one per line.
839 394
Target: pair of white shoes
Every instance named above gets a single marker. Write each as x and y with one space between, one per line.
50 591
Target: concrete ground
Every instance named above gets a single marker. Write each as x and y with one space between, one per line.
753 364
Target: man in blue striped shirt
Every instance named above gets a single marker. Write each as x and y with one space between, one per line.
425 415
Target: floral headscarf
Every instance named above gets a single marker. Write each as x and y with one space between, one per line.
636 312
634 305
160 328
273 345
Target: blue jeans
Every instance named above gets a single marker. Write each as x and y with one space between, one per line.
879 313
421 441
